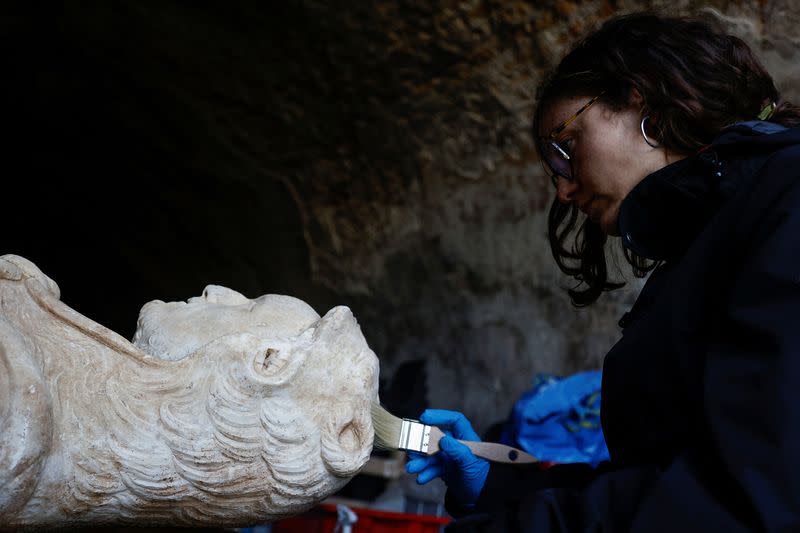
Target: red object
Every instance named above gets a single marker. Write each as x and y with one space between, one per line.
322 519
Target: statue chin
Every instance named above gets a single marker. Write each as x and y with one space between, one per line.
222 411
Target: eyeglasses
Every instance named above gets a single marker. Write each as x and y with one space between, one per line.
557 155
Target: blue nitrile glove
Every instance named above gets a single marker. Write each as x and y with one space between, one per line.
461 470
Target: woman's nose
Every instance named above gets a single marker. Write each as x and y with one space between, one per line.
565 189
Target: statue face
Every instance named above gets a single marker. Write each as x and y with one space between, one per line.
173 330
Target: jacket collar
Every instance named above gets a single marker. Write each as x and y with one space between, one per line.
663 214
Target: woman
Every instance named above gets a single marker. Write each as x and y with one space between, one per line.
669 133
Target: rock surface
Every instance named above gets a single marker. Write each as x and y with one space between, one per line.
379 151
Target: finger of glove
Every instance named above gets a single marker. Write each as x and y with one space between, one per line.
416 466
417 455
457 452
453 420
430 473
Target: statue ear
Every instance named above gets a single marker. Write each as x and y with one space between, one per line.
277 363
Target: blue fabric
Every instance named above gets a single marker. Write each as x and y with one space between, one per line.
762 127
559 420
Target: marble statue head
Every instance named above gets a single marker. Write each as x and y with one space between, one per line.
223 410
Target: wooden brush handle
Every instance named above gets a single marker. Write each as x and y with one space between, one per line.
491 451
499 453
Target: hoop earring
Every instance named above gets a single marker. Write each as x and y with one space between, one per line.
646 138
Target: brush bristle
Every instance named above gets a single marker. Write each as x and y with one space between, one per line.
387 428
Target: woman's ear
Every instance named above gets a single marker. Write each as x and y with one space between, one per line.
636 98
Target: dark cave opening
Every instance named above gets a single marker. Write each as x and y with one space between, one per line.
101 191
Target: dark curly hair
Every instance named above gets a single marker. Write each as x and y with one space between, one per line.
694 80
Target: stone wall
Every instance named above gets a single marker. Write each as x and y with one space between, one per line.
372 154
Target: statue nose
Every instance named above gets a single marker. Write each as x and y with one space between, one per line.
224 295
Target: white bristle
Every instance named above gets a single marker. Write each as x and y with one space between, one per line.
387 428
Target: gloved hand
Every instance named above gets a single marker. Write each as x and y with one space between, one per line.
461 470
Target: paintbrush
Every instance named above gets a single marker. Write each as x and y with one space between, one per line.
394 433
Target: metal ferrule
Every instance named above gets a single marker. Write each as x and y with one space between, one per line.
414 436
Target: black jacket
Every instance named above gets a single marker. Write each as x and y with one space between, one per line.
701 395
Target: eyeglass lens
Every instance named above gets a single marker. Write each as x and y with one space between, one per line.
558 159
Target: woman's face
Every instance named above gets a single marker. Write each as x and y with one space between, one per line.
609 156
